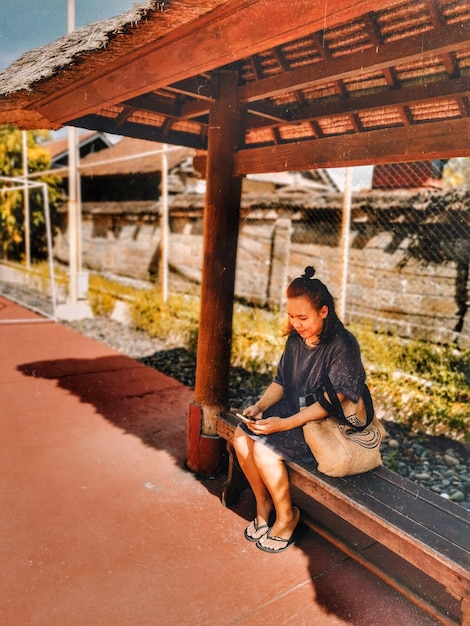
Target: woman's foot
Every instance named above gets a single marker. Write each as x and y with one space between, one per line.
281 535
260 525
253 531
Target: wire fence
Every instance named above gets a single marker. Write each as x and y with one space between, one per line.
391 242
405 254
24 284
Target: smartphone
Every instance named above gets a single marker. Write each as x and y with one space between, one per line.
245 418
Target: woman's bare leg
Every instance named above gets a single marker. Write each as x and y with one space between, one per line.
244 448
274 476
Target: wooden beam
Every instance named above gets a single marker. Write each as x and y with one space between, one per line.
229 33
264 113
417 94
395 145
151 102
198 87
440 41
221 223
143 131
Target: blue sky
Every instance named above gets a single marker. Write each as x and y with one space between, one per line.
28 24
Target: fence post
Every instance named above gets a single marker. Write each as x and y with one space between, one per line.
345 237
279 265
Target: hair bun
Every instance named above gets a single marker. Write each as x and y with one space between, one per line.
309 272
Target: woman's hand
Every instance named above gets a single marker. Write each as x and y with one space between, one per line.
253 411
267 426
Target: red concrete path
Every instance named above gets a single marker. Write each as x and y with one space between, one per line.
100 524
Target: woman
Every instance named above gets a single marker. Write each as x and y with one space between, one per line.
317 344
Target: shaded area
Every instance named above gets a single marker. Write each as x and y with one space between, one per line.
124 392
244 387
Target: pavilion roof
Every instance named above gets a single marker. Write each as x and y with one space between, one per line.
324 84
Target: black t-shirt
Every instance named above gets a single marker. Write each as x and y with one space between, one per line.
301 369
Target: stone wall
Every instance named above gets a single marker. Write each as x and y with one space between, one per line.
411 300
388 285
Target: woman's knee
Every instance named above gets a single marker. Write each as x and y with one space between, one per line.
241 441
265 456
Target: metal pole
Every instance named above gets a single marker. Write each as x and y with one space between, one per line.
73 212
74 224
164 225
47 215
345 238
27 218
70 16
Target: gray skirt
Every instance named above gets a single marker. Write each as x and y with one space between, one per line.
289 444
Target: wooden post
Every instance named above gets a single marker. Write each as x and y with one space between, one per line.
221 224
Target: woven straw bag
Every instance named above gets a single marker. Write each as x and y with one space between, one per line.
348 440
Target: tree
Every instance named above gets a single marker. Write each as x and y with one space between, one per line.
12 219
457 173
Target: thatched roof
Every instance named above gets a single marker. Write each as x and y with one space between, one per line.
44 62
351 82
88 50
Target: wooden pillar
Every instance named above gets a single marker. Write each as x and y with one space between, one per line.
221 224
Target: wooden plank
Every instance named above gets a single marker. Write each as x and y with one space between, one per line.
394 145
409 516
235 30
383 524
421 505
373 506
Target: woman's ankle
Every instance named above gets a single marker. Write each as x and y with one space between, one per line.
264 510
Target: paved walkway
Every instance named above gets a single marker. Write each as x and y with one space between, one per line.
101 524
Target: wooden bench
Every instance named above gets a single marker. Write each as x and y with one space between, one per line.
410 537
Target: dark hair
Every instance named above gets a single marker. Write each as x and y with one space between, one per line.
317 293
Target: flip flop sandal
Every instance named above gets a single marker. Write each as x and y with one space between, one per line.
256 536
299 532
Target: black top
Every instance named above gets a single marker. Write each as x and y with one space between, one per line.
300 373
302 369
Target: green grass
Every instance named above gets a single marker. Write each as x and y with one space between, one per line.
419 384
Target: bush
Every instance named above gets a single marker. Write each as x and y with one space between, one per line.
102 304
175 321
421 385
257 341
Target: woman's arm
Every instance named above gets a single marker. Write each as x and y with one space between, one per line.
274 393
277 424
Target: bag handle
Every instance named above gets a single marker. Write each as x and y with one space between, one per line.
334 405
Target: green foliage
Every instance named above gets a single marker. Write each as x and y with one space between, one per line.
103 294
421 385
175 321
102 304
456 174
12 230
101 284
257 339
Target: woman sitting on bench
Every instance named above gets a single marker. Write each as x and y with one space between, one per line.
317 344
